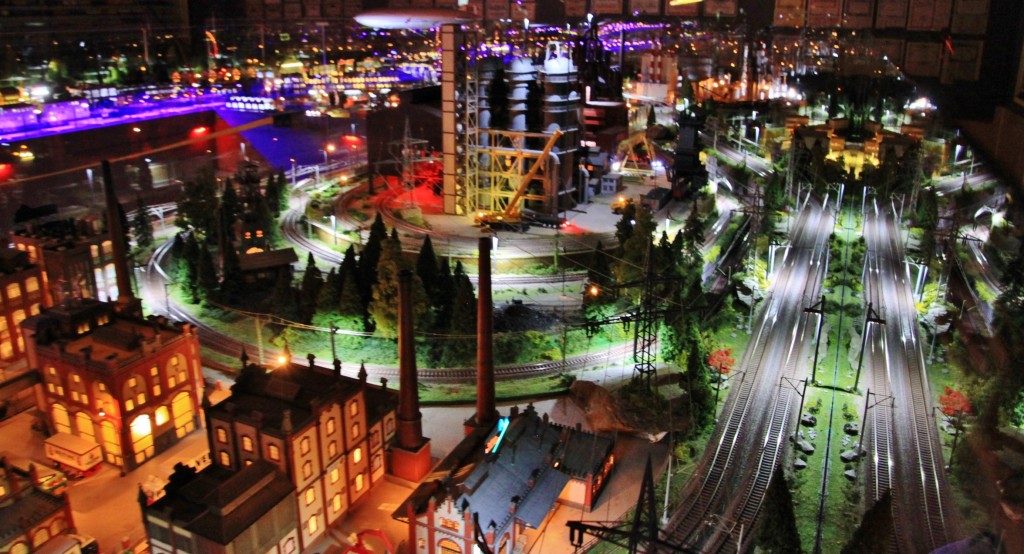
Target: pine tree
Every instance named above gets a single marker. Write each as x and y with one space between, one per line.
142 228
309 290
196 209
369 257
230 206
273 194
634 251
207 274
282 302
441 302
778 529
426 267
351 312
231 279
695 383
875 530
458 352
190 267
384 305
330 292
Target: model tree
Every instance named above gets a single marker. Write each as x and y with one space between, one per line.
384 305
778 529
309 290
142 229
875 531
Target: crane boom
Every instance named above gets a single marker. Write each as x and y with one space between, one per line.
511 208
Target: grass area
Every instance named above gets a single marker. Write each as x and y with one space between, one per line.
842 506
457 393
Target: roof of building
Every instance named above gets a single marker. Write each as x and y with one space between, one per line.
28 509
523 463
285 397
219 504
111 340
267 259
13 260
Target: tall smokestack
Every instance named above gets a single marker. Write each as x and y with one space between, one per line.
410 458
126 301
486 413
410 421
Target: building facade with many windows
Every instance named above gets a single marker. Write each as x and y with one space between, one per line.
21 297
75 257
129 384
328 433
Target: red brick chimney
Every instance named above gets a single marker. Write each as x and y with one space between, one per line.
410 421
410 458
486 413
126 301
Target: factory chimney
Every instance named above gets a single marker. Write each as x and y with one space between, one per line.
486 414
410 459
126 301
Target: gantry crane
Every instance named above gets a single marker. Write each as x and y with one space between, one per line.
513 217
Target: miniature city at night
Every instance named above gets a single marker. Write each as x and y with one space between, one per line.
328 276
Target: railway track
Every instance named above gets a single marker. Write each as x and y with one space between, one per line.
156 276
921 497
730 483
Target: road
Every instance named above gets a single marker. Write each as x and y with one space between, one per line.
731 479
904 450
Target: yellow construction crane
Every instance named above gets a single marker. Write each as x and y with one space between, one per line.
512 217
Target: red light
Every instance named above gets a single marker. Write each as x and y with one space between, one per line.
6 172
351 139
199 131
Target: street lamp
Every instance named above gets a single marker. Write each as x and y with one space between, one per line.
293 171
334 228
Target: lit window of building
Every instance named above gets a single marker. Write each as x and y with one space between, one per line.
312 526
330 426
310 496
246 443
336 503
355 430
273 452
13 291
225 459
359 482
31 284
304 446
307 470
353 408
222 435
357 455
332 449
335 475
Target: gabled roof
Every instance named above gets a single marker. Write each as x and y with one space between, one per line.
516 473
219 504
267 259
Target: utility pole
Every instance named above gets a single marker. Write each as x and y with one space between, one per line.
818 308
870 316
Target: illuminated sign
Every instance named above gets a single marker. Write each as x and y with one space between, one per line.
495 442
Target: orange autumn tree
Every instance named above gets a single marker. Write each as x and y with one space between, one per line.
722 360
954 403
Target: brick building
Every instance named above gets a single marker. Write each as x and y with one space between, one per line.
130 384
328 433
21 297
506 479
29 516
75 256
